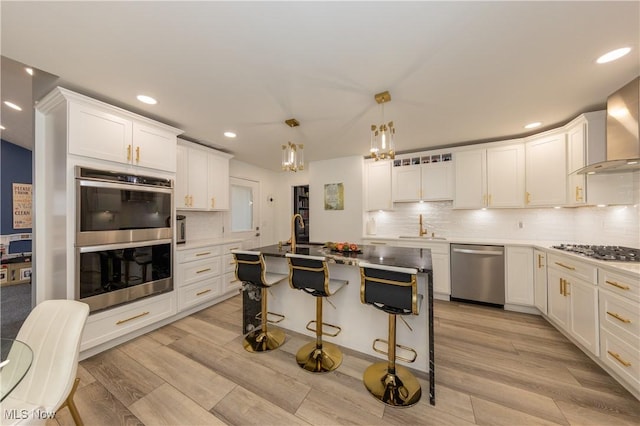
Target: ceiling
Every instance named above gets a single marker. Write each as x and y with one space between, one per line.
457 71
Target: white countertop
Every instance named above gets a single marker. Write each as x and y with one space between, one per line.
629 267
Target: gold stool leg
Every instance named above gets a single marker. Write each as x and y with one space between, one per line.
69 403
263 340
390 383
319 357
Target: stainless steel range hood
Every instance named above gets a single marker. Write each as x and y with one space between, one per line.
623 128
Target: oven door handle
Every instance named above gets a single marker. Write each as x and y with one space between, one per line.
123 186
104 247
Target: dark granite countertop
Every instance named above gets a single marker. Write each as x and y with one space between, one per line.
377 254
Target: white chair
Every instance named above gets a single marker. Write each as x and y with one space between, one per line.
53 330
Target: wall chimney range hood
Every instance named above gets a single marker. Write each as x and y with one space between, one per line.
623 128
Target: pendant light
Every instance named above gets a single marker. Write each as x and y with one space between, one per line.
292 154
382 136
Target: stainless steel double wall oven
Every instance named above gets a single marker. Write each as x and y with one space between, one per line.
124 237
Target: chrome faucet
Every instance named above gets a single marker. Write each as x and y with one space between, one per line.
422 230
293 230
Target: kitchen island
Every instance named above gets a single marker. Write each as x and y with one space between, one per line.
360 323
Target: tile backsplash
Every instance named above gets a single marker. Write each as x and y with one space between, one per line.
615 225
204 225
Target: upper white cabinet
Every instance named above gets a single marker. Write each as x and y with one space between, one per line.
202 179
546 170
101 131
492 177
378 185
423 178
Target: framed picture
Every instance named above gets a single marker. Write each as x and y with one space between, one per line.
334 196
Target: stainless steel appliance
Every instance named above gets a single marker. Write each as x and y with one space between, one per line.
477 273
114 207
181 229
124 237
609 253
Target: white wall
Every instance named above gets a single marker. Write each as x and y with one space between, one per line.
336 225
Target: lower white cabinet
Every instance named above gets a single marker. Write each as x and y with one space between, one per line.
104 326
540 280
573 300
519 276
203 274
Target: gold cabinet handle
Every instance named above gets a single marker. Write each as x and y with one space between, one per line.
615 284
128 152
527 197
132 318
619 359
203 253
579 193
213 202
203 270
377 243
540 265
566 284
571 268
186 201
232 263
234 248
561 286
200 293
137 154
619 317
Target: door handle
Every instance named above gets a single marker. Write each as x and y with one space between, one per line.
469 251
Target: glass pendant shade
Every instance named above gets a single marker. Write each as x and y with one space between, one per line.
383 135
292 157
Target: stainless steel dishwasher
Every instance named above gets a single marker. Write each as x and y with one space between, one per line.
477 273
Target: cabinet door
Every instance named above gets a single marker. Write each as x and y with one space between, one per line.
558 303
583 312
96 133
519 275
470 179
181 186
441 274
378 191
437 181
406 183
546 171
540 281
505 176
154 147
218 185
575 160
198 177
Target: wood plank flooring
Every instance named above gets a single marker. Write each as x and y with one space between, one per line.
493 368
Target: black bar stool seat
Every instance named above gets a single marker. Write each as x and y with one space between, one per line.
393 290
311 275
251 269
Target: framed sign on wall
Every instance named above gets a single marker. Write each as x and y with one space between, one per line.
334 196
22 203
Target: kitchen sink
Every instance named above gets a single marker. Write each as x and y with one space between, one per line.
417 237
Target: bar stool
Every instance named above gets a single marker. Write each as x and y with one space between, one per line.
250 269
311 275
393 290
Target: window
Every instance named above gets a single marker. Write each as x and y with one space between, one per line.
241 208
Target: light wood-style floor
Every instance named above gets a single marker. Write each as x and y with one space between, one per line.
493 368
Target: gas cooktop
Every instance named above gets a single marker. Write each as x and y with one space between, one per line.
612 253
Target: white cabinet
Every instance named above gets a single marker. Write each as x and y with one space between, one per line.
540 280
101 131
546 170
418 181
519 276
378 185
492 177
230 284
573 299
202 178
107 325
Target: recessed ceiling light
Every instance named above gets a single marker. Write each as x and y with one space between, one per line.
2 127
29 70
533 125
12 105
591 173
632 162
147 99
613 55
230 135
601 205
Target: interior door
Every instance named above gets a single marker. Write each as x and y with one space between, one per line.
245 212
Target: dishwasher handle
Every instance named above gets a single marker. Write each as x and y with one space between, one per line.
486 252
